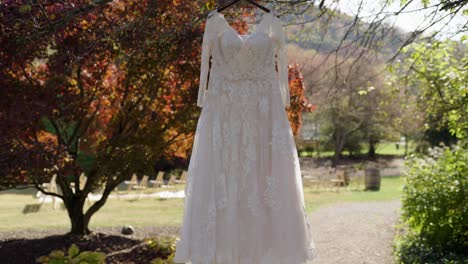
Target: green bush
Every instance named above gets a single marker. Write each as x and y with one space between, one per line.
74 256
435 203
414 249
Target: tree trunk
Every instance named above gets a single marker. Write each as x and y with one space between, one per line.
406 146
371 151
79 221
75 201
318 148
339 143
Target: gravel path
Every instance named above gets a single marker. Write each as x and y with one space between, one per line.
355 232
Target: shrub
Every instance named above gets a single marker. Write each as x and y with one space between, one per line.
435 203
414 249
74 256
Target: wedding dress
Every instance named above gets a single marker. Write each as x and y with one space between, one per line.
244 200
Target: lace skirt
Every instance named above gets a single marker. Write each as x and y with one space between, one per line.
244 200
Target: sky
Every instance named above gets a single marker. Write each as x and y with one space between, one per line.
414 16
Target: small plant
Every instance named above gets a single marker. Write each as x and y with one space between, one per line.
165 247
74 257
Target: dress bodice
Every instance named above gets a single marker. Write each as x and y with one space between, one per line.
236 57
248 56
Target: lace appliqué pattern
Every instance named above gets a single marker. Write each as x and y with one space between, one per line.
208 234
248 147
269 194
280 141
253 203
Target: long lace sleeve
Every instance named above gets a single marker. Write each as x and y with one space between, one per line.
207 45
282 60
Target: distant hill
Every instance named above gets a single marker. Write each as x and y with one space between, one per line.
325 33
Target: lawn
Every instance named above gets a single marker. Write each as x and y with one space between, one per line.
154 211
391 189
143 212
384 148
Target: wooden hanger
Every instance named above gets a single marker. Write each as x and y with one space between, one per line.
221 8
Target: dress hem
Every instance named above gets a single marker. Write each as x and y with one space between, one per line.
269 258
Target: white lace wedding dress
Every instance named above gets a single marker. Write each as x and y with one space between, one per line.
244 200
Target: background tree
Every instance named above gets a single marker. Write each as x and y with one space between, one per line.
408 118
352 108
439 73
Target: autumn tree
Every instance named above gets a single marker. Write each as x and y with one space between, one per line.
107 93
101 88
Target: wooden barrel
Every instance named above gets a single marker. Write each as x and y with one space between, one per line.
372 179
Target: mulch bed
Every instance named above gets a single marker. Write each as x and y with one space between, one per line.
119 249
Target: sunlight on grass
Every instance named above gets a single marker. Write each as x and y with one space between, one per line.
390 189
155 211
143 212
386 148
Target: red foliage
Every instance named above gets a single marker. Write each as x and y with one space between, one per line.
106 69
299 102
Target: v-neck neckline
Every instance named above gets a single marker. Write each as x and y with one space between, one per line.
243 37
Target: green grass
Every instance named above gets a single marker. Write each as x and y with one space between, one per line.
390 189
153 211
143 212
390 149
387 148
